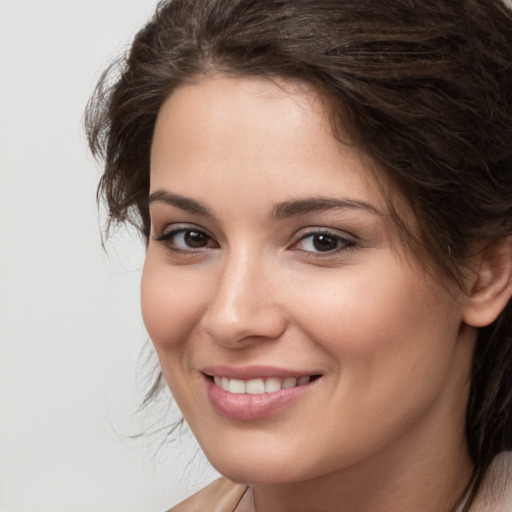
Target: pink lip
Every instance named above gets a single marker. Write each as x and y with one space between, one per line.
247 407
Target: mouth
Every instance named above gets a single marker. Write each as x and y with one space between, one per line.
255 393
260 386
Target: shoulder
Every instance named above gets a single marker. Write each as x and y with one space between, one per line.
496 492
222 495
503 469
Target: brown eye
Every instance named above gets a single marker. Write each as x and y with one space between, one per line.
187 239
195 239
323 242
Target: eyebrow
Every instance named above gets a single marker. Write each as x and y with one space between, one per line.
183 203
316 204
279 212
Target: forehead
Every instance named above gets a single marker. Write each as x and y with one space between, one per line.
258 134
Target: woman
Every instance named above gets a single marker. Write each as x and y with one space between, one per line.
325 188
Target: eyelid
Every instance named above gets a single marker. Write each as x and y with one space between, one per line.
340 233
171 230
348 240
174 227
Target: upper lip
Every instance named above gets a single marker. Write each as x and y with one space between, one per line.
253 372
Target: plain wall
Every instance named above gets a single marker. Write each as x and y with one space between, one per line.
70 326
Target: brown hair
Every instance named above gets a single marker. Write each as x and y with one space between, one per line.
426 89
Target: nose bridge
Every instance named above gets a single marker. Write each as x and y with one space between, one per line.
243 306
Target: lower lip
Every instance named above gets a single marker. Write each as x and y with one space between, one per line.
247 407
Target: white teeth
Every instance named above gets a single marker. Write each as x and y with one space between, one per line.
288 383
272 385
255 386
225 383
303 380
259 386
236 386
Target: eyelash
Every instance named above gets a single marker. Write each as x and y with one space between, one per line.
342 244
167 239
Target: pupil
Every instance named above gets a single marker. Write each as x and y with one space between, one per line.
324 243
195 239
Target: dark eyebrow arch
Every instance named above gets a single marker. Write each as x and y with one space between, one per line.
183 203
315 204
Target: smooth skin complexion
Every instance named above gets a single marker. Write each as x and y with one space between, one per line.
271 257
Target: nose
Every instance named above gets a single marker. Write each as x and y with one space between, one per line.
244 308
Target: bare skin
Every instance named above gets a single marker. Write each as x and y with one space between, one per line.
272 251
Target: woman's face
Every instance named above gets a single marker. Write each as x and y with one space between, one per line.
297 335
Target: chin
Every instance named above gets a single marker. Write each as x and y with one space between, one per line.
246 472
255 467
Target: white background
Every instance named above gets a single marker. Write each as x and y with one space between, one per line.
70 326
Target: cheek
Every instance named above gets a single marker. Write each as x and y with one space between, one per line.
171 302
171 306
382 327
393 343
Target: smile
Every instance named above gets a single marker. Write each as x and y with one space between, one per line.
260 386
255 396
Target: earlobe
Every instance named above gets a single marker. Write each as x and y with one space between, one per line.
492 286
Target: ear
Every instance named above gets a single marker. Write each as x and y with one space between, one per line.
492 284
